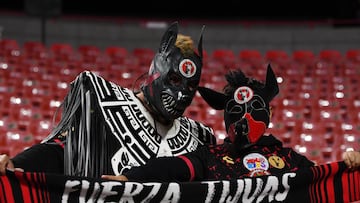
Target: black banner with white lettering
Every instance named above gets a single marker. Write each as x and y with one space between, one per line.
325 183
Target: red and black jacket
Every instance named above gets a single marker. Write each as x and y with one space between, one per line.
266 157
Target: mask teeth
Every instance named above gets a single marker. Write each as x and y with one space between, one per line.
169 101
172 112
169 104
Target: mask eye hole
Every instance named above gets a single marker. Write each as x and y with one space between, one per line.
192 85
257 105
175 79
234 108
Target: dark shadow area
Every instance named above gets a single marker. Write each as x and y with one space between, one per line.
228 9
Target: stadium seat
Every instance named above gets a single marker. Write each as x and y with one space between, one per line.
279 59
89 53
350 141
221 54
303 85
225 56
353 55
62 51
117 54
195 112
313 146
332 133
10 51
303 56
35 50
331 56
9 47
5 149
249 60
19 140
250 55
144 55
276 55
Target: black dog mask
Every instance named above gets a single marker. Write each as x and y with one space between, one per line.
167 100
245 102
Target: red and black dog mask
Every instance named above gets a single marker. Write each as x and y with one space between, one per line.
245 102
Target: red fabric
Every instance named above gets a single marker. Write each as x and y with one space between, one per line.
330 184
345 185
24 189
6 190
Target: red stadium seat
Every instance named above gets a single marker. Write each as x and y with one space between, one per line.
314 147
9 47
331 55
195 112
144 55
350 140
62 51
353 55
250 55
279 59
303 56
5 149
225 56
89 53
251 58
276 55
10 50
221 54
19 140
33 45
116 54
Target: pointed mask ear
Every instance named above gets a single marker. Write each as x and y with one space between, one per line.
215 99
200 49
169 38
271 85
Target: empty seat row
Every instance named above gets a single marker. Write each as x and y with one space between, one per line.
34 79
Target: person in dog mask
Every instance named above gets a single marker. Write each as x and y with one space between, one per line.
157 128
248 151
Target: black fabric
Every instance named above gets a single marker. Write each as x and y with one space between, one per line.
319 184
223 162
160 169
47 157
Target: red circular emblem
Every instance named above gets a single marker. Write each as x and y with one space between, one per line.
243 94
187 68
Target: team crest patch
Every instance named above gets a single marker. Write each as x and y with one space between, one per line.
276 162
243 94
187 68
256 162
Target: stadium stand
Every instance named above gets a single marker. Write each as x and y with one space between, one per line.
316 111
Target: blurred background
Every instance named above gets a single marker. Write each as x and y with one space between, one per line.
313 47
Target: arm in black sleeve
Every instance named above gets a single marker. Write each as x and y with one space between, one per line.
301 160
46 157
163 169
186 167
